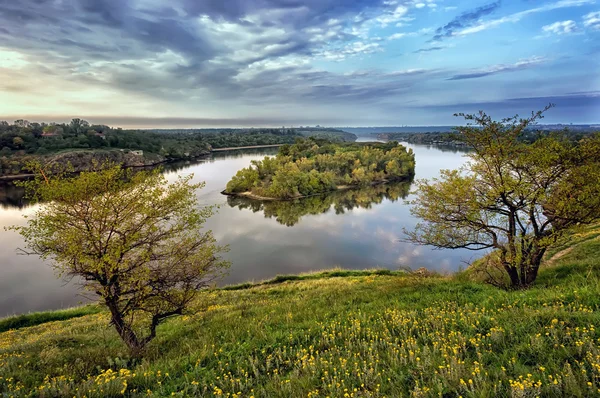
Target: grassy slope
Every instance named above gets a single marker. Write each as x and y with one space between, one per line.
361 335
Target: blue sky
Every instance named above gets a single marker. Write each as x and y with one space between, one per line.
196 63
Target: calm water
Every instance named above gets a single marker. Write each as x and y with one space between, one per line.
353 229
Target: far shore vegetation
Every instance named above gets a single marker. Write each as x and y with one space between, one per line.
24 141
313 166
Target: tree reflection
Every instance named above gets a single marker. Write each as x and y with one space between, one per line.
12 196
290 212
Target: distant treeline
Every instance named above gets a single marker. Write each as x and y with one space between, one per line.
455 139
585 128
23 137
225 138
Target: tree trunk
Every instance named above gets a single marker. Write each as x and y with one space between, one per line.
135 345
513 273
534 265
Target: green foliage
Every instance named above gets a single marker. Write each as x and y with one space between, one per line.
315 166
244 180
392 335
135 241
514 197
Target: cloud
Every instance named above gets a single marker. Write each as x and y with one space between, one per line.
239 61
502 68
396 36
189 48
592 20
392 16
464 20
560 28
428 49
516 17
582 106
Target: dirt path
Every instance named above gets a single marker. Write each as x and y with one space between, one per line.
557 256
550 262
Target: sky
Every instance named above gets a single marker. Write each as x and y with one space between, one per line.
240 63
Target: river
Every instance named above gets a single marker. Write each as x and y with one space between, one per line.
352 230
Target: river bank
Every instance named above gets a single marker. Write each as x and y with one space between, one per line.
82 160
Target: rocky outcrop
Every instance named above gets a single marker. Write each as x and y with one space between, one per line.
88 160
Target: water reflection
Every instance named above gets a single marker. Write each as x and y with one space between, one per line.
12 196
351 229
290 212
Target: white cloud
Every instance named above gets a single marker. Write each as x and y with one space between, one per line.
397 36
592 20
393 16
516 17
560 27
420 5
352 49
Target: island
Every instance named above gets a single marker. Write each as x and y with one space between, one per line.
314 166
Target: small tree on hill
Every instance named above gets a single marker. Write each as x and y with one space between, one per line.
513 198
134 240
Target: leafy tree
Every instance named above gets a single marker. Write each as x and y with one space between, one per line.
512 197
133 240
78 125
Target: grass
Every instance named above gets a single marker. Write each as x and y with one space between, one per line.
37 318
337 334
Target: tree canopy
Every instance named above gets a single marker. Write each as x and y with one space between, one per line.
512 197
132 239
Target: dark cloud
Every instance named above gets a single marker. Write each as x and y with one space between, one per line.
464 20
428 49
297 13
71 34
493 70
580 108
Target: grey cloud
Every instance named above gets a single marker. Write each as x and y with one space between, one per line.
464 20
495 69
428 49
580 108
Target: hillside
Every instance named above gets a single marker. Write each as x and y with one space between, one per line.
342 333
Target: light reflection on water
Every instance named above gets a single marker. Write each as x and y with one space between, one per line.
355 230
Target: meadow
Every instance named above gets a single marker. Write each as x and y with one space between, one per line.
334 334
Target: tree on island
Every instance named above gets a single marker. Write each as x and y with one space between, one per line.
131 238
513 198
